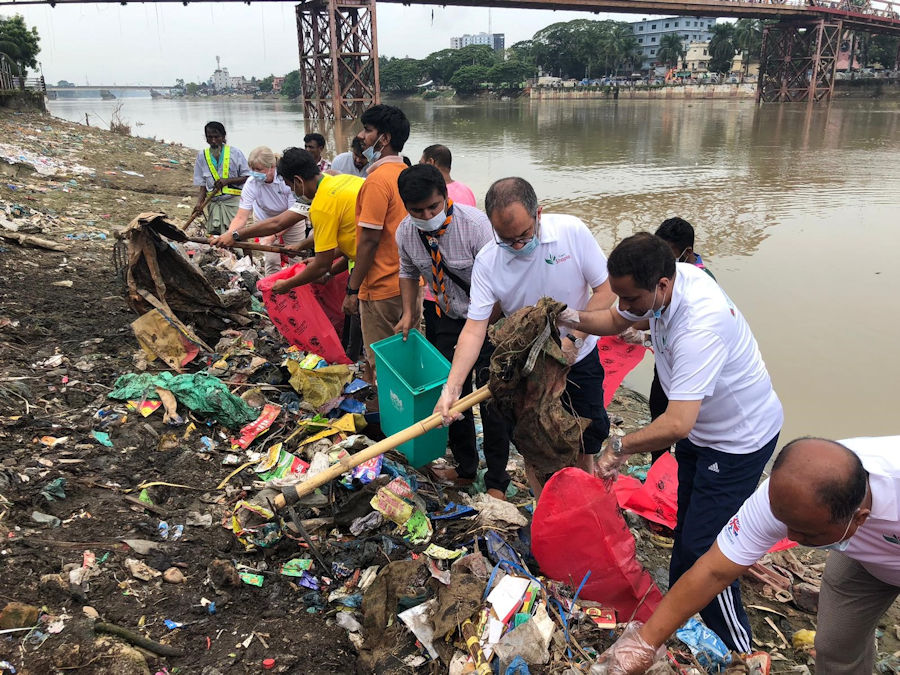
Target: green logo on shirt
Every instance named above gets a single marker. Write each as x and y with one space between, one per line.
554 260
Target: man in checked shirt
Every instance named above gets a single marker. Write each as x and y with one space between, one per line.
438 241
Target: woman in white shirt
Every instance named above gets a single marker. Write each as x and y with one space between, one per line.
266 195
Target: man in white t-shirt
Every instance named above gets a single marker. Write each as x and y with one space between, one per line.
531 256
844 497
723 414
353 161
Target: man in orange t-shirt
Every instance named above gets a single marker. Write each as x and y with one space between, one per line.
373 290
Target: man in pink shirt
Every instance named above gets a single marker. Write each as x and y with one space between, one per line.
841 497
440 156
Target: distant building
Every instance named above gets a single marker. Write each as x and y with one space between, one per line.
222 80
737 65
697 57
277 83
649 32
496 41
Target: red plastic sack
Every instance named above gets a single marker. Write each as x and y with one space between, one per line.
331 299
577 527
657 498
618 358
300 318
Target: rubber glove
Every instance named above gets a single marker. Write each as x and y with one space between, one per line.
630 653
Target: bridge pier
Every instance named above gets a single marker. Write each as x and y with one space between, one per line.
338 57
798 61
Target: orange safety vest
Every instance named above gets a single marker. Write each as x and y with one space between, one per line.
226 161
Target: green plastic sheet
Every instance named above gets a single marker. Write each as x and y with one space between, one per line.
200 392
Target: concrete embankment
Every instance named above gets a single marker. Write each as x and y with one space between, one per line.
864 88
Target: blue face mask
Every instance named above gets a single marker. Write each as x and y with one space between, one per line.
257 175
526 250
371 154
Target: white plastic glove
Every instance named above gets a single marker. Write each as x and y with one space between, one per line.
449 396
569 317
633 336
630 654
609 462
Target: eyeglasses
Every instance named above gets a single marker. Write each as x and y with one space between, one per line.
518 240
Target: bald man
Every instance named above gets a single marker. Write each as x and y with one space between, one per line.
843 497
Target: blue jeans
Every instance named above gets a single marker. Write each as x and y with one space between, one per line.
712 485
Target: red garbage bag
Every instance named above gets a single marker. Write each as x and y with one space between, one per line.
300 318
657 499
577 527
331 299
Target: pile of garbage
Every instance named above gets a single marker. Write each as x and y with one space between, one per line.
140 531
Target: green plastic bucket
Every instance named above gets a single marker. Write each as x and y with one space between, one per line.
410 377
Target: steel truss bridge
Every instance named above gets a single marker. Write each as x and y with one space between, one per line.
339 48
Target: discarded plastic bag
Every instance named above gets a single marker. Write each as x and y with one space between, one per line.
331 298
417 619
279 463
252 525
161 337
300 318
198 391
493 512
571 504
321 385
657 499
705 645
531 640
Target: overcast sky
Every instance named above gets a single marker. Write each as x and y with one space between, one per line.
155 44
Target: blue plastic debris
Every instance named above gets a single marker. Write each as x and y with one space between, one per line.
351 405
517 667
355 386
705 645
451 511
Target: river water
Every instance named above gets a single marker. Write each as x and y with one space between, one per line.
796 211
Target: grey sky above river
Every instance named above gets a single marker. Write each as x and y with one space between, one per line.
155 44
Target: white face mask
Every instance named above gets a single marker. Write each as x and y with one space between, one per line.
649 314
841 544
431 224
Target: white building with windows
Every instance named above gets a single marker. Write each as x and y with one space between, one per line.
649 32
220 79
697 57
496 41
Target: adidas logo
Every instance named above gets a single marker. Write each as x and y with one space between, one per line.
714 467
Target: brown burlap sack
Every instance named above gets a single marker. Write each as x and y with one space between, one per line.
528 380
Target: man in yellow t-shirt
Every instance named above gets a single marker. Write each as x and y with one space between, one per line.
332 211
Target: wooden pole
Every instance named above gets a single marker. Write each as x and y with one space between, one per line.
249 246
292 493
209 196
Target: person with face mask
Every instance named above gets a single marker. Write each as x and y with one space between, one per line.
352 161
331 209
438 242
837 496
723 414
221 169
373 291
679 235
265 195
532 255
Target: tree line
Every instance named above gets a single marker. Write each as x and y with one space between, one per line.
579 48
